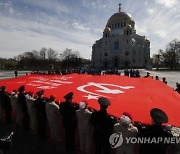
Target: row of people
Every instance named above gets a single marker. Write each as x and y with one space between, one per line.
94 127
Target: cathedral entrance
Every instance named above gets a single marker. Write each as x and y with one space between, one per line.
105 64
126 64
116 62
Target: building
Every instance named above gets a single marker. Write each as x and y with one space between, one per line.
120 46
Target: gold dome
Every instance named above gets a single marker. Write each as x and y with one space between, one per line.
118 17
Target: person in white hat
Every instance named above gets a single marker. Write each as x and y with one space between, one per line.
84 127
127 129
14 103
52 111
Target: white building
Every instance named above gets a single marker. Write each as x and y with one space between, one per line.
120 46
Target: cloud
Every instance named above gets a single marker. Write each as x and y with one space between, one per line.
20 35
150 11
7 7
30 24
80 26
167 3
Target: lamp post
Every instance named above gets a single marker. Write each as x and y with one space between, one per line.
158 61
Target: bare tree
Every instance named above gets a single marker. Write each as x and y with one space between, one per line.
42 53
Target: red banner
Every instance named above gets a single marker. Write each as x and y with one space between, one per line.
134 95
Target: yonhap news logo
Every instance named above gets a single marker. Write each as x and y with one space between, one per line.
116 140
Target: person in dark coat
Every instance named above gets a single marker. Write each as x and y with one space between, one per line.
103 127
155 131
69 121
177 87
164 80
6 104
147 75
40 106
22 102
15 73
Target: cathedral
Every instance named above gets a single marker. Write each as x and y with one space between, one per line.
121 46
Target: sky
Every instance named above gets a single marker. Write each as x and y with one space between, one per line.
27 25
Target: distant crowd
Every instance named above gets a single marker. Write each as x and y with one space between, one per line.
127 72
33 113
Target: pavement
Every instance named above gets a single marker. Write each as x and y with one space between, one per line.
26 142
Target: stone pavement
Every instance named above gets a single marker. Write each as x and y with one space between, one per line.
28 143
25 142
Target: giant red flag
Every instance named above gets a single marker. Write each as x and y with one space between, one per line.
134 95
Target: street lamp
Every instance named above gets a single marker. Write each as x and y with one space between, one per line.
158 61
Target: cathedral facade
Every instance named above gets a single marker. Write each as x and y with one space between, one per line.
120 46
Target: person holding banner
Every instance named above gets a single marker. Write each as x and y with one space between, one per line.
127 129
69 121
23 104
40 106
52 110
103 127
84 127
6 104
155 131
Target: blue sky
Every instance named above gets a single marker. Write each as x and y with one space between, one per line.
27 25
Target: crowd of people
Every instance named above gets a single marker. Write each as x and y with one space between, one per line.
34 113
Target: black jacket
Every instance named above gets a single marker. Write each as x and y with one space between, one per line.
154 131
69 115
103 124
40 106
5 100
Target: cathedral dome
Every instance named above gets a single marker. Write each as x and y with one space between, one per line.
119 16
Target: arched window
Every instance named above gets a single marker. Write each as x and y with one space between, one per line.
126 53
116 45
127 32
121 24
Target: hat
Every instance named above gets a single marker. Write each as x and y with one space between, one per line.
125 119
40 93
69 95
21 88
104 101
52 98
30 93
14 92
3 88
128 114
148 73
158 115
83 104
